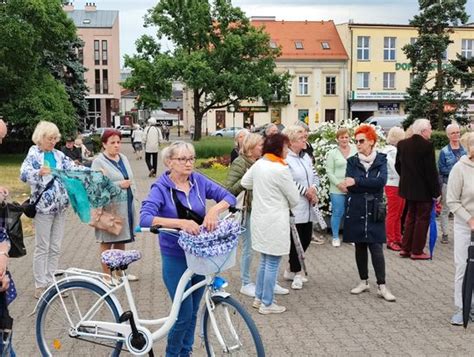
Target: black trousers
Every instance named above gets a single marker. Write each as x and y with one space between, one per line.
305 231
378 260
151 159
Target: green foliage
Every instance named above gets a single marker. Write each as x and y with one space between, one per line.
439 139
218 54
433 83
36 61
97 143
213 147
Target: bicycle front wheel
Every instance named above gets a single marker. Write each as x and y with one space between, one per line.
239 332
55 333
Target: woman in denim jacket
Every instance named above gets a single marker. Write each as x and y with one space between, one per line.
50 217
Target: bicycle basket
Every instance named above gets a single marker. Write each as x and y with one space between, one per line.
211 252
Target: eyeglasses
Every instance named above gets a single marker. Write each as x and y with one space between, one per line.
360 141
455 133
184 160
52 139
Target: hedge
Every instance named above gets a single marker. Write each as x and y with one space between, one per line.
213 147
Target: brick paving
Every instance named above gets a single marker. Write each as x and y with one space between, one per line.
322 319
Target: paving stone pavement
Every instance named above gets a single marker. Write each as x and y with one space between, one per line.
323 319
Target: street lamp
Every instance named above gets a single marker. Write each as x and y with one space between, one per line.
232 110
179 118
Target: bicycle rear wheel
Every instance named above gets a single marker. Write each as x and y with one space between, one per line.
54 333
240 335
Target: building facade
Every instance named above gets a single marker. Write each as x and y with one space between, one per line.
313 53
379 70
99 30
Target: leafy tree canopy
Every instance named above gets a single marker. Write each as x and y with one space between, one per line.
433 83
218 54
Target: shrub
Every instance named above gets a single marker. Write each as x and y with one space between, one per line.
439 139
213 147
324 140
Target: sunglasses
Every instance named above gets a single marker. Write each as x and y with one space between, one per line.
360 141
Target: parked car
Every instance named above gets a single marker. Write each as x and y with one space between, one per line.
386 122
86 133
227 132
100 131
126 130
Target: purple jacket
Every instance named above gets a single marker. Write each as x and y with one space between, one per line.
160 203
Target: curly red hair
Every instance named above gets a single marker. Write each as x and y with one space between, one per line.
368 130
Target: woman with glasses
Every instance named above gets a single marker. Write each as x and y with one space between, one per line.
177 199
116 167
50 210
366 176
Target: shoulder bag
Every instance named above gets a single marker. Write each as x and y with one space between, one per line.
29 208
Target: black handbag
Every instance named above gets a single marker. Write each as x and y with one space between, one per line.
29 208
186 213
10 217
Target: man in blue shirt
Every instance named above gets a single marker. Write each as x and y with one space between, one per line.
448 156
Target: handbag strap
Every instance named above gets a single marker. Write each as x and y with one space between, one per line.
184 212
48 186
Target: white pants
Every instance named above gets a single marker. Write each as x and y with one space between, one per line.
444 215
49 232
462 240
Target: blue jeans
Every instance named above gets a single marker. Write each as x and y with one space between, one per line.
246 253
267 277
181 335
338 202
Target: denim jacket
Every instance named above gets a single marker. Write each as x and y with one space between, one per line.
447 159
55 199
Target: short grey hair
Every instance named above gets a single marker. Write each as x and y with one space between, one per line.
452 126
302 124
173 148
293 131
394 135
243 132
419 125
45 129
269 126
249 143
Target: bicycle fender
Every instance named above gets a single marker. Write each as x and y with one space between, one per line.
222 294
97 282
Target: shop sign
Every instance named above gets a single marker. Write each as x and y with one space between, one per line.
252 109
389 107
378 95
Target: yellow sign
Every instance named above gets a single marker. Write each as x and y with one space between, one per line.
316 118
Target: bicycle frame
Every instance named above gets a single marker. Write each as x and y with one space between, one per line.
110 329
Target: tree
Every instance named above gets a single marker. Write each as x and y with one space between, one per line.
39 75
218 54
433 80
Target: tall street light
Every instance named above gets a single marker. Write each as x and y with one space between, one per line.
232 109
178 108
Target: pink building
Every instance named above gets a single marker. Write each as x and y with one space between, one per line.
99 29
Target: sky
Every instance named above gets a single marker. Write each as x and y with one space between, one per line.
366 11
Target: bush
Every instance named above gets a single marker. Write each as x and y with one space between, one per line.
213 147
15 146
439 139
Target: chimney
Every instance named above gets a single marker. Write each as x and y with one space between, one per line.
68 7
90 7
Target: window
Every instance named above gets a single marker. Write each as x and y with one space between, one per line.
363 43
444 55
105 81
97 81
273 44
330 115
467 48
80 54
325 45
96 52
413 40
331 85
104 52
388 80
303 85
412 78
363 80
389 48
299 45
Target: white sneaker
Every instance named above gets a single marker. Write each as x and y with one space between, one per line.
336 242
297 283
271 309
288 275
279 290
363 286
132 277
383 292
248 289
257 303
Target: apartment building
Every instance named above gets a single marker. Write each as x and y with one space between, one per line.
379 70
99 29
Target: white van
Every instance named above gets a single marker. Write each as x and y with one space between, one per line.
386 122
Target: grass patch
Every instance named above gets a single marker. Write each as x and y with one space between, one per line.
212 146
217 174
19 191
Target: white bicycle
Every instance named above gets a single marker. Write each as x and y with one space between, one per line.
80 314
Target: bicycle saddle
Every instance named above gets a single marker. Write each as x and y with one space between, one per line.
120 259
